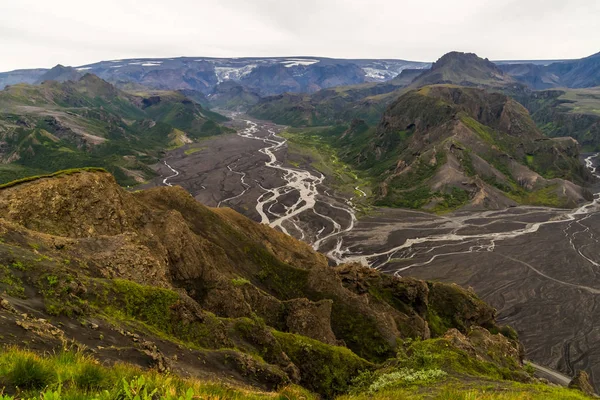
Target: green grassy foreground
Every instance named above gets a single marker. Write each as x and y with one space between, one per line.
73 375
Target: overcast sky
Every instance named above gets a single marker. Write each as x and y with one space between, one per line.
43 33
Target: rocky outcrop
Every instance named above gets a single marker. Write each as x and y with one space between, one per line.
463 146
581 382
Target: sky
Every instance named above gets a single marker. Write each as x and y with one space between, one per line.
43 33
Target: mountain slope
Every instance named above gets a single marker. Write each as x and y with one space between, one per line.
442 147
156 279
53 126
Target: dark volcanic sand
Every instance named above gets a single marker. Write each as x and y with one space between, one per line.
545 283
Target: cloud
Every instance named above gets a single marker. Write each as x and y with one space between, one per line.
35 33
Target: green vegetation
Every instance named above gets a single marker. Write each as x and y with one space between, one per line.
90 123
240 281
71 375
315 147
55 174
325 369
193 150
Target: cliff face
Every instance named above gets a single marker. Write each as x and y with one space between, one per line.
156 262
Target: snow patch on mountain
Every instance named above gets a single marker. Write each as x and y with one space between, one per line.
233 73
296 62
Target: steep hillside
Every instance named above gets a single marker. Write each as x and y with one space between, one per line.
155 279
566 112
442 147
53 126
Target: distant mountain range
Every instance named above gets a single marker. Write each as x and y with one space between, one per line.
267 76
276 75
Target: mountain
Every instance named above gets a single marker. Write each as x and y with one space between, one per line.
230 95
155 279
368 102
464 69
265 75
441 147
20 76
583 73
89 122
60 73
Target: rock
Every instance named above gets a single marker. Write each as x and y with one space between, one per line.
5 304
312 319
581 382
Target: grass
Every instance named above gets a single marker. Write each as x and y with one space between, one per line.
474 391
542 197
53 175
325 369
75 375
582 101
193 150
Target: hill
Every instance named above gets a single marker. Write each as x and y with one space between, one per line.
157 280
89 122
441 147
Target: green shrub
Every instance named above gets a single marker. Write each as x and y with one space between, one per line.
30 373
240 281
406 376
90 376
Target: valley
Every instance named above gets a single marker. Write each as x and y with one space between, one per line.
502 254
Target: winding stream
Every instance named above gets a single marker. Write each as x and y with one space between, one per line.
305 188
